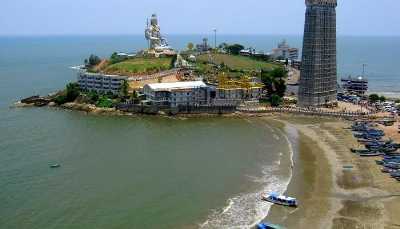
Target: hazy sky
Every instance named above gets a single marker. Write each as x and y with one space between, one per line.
42 17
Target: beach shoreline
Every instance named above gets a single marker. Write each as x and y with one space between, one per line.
336 188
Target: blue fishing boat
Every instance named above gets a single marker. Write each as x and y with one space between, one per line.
371 154
280 199
269 226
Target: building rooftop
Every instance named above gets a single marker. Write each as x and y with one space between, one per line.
176 85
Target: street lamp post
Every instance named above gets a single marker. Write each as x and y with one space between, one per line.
215 38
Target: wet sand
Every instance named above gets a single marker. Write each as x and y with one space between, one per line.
336 189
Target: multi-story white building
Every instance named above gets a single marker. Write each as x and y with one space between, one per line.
100 82
189 93
284 51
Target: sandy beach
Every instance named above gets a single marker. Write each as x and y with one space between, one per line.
336 189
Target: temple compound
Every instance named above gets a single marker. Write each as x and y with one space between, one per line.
318 77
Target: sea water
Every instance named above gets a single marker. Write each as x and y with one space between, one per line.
143 172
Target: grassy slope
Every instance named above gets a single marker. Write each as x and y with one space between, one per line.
237 62
139 66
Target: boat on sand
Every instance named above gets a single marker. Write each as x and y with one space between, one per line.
280 199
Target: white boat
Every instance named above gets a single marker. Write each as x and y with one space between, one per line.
281 200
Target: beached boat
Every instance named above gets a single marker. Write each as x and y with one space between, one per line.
269 226
360 150
370 154
387 170
395 174
392 165
281 200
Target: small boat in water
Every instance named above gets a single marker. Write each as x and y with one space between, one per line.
281 200
54 166
268 226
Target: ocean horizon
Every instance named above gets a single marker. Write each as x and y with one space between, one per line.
376 52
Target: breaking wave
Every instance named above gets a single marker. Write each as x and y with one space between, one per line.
246 210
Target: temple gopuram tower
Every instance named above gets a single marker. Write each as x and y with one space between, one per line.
318 77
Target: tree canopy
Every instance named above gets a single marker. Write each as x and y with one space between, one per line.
93 60
373 98
190 46
124 88
234 49
274 81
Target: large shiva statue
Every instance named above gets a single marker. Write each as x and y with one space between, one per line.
153 35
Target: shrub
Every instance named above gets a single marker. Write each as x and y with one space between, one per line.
276 100
93 96
61 99
104 102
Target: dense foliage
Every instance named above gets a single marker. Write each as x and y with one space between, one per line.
71 93
92 61
234 49
124 88
274 81
373 98
115 58
276 100
190 46
173 60
104 102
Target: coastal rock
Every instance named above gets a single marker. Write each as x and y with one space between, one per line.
21 104
90 108
52 104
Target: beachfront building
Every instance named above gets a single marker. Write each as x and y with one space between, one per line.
284 51
100 82
188 93
318 77
355 85
233 96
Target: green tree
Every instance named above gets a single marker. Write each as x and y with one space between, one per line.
173 60
276 100
94 60
115 58
234 49
69 95
104 102
274 81
373 98
93 96
124 88
268 82
61 99
190 46
73 91
382 98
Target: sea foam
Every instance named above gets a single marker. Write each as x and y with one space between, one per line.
246 210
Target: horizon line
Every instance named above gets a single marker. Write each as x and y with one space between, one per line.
185 34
